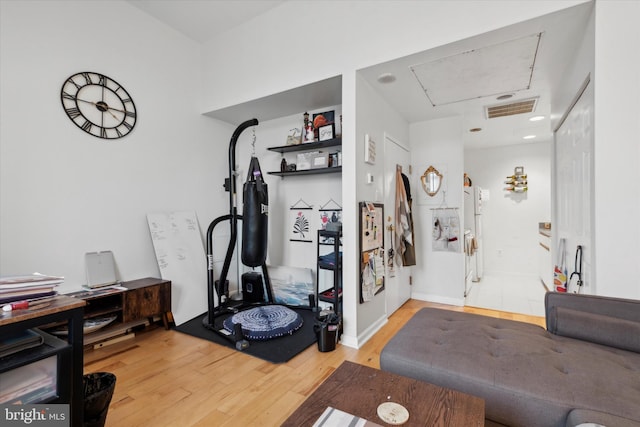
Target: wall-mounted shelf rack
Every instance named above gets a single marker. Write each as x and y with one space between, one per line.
309 146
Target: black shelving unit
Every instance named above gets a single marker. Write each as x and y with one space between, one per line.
319 171
330 259
69 363
308 146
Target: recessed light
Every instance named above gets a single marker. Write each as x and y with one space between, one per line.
386 78
503 97
536 118
529 137
475 129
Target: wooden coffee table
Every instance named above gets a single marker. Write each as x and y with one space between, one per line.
358 390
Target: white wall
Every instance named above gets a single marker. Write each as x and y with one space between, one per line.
375 118
510 220
617 151
275 51
64 192
438 276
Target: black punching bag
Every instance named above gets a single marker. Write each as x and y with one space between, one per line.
255 215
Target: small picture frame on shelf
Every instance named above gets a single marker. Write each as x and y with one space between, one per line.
326 132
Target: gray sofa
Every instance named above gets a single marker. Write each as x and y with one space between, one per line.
584 368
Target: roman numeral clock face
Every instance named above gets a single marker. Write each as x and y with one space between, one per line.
98 105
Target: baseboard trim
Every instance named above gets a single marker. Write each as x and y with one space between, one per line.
361 339
438 299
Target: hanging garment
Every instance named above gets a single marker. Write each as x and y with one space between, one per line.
404 248
409 255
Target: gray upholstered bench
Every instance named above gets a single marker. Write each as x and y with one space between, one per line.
586 365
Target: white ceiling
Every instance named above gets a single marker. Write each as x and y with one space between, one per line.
202 20
561 34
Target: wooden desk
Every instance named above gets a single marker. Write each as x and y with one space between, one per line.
359 390
70 375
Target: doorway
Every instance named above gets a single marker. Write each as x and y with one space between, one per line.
510 226
397 277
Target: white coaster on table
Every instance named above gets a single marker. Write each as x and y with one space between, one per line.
393 413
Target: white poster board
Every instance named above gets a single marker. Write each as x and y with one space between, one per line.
181 257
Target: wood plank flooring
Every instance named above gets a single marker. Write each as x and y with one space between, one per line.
166 378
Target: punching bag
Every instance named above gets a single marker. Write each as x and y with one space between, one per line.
255 215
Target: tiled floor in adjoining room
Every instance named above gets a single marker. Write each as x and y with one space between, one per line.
516 294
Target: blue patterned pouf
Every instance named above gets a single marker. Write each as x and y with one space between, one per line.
265 322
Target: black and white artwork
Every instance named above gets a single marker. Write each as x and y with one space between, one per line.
300 222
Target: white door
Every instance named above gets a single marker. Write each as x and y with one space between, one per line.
397 279
574 186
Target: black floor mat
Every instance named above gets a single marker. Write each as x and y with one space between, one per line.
277 350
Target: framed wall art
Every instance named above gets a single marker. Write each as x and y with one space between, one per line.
369 150
320 120
300 228
326 132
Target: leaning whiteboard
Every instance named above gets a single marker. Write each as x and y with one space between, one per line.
181 258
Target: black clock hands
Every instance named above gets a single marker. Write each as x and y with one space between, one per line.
103 106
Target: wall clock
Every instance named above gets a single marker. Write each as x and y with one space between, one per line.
98 105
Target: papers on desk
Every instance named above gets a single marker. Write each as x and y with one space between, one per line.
27 287
332 417
35 279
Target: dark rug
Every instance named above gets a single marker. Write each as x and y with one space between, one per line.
277 350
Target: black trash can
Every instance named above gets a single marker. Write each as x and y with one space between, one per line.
326 329
98 391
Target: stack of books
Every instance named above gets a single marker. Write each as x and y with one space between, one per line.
28 287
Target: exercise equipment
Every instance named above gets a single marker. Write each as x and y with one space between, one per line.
265 322
254 246
255 210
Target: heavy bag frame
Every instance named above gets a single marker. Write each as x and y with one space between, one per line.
221 286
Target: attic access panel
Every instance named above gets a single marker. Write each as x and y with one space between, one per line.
488 71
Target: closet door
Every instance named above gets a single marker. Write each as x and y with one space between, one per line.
574 185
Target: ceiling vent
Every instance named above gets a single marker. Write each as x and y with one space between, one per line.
518 107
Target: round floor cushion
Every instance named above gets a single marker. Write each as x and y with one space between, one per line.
265 322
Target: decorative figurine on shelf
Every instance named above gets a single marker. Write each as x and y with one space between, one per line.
283 165
307 132
309 135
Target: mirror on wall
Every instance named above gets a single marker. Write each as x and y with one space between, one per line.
431 181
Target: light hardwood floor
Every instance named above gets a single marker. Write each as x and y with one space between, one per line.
166 378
